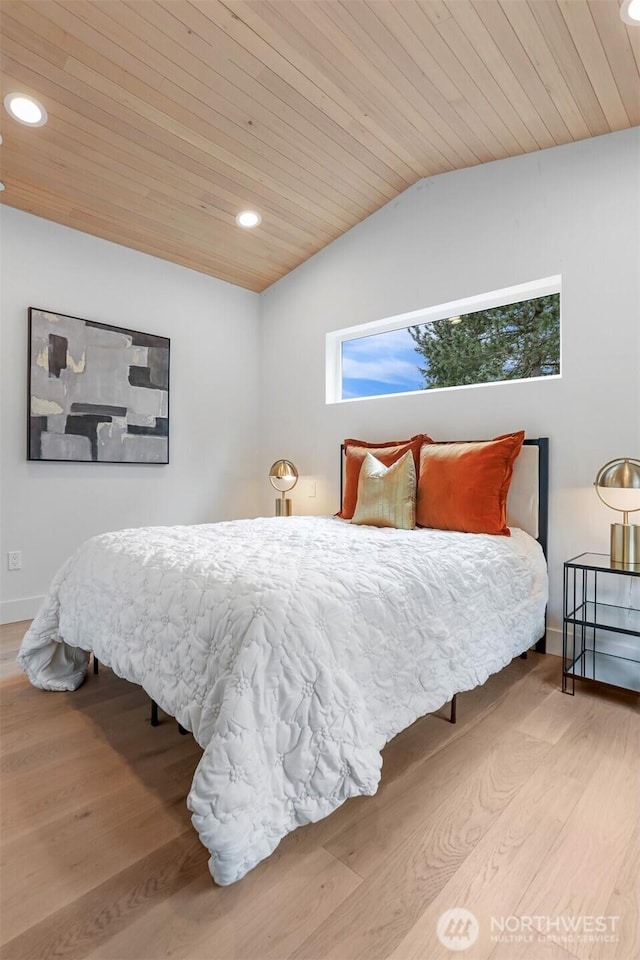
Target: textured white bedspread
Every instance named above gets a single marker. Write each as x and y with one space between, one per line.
293 648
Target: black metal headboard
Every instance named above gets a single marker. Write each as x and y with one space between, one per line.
542 443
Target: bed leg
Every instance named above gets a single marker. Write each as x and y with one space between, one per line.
452 716
541 645
154 714
523 656
182 731
96 665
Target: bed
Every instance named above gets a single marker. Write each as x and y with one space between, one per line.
294 648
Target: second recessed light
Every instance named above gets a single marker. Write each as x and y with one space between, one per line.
630 12
25 109
248 218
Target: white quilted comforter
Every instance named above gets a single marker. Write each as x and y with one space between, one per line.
293 649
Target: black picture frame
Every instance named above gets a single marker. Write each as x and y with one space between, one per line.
96 392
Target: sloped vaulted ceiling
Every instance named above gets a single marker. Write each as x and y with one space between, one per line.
167 118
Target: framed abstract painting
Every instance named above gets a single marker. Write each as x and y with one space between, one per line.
96 392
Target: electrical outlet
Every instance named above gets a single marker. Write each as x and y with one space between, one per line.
15 559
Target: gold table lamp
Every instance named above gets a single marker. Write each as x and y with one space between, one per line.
622 474
283 477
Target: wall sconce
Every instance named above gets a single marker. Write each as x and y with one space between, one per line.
283 477
622 474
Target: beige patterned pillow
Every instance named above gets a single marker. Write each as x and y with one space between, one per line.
387 495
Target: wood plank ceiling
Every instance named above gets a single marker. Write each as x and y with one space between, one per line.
167 117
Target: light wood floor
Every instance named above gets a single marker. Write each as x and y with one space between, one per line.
530 806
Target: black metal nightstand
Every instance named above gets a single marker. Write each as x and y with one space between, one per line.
589 649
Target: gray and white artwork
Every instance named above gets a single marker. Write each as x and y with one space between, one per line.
96 392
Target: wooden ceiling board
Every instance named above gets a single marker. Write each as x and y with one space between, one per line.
617 48
469 98
232 104
390 59
177 170
333 60
242 20
131 117
579 19
290 124
354 28
554 28
167 117
521 58
492 71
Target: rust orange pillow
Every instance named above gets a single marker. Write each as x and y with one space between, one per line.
387 453
464 486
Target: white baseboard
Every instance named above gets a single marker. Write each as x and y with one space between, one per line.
12 611
554 641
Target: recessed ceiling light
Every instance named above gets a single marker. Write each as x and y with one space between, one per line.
248 218
25 109
630 12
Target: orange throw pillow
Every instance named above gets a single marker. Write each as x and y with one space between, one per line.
387 453
464 486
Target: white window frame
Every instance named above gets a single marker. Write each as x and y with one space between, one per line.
484 301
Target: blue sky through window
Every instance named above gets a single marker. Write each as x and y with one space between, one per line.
380 364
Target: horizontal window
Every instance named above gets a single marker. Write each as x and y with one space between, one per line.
497 337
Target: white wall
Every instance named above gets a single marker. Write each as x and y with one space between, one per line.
48 509
571 210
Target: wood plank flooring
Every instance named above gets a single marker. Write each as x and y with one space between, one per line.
528 807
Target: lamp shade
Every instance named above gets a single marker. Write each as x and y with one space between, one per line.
283 475
623 474
621 480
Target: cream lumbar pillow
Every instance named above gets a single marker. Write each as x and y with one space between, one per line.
387 495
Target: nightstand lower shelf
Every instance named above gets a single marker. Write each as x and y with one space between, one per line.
606 668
